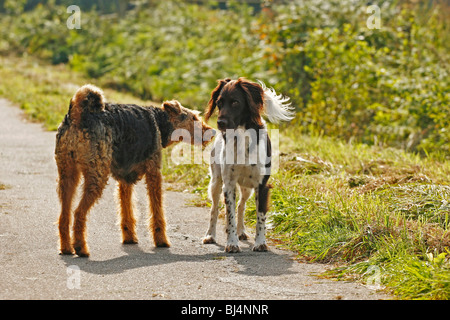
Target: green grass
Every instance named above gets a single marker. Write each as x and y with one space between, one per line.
361 208
378 215
44 91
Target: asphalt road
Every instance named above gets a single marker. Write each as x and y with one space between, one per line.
31 267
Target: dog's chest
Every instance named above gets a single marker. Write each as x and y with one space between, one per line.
244 167
245 175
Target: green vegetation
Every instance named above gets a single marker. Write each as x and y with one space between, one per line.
366 206
357 207
364 170
389 85
45 90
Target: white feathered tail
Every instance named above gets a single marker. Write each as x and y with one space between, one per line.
276 107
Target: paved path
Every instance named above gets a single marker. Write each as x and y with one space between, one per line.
32 269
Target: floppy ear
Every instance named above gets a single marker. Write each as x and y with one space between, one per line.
214 95
254 94
172 107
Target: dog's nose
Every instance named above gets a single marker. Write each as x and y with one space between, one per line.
222 124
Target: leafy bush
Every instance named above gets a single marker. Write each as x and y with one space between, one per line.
389 85
178 55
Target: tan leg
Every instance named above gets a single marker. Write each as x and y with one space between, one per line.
128 222
215 190
94 183
153 179
68 180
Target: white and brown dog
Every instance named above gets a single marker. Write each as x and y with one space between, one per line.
242 154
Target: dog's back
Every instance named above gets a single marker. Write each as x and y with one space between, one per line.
137 136
123 135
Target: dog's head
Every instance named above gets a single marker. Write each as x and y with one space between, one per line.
240 103
187 124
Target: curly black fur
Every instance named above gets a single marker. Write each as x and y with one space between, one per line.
135 133
98 139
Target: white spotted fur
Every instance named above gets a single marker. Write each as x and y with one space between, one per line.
226 176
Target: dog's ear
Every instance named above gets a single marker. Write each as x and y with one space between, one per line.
254 94
172 107
214 95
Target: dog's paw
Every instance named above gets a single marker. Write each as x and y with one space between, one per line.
208 240
66 248
129 241
81 248
82 252
260 247
160 239
232 249
164 244
129 237
66 252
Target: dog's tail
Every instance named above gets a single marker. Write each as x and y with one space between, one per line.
276 107
88 98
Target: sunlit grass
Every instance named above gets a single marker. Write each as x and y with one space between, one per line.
43 91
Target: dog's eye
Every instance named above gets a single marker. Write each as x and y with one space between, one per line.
235 103
183 116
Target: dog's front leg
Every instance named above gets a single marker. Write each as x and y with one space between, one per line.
230 203
157 222
261 199
214 190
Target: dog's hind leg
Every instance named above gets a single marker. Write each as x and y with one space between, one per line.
153 179
94 183
215 190
245 194
68 180
128 222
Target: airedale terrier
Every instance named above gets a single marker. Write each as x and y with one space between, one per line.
97 139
